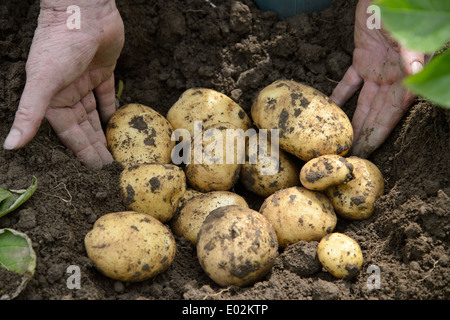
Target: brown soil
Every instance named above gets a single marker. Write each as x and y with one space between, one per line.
174 45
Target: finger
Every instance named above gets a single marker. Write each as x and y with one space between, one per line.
347 87
106 98
31 110
365 99
92 116
412 61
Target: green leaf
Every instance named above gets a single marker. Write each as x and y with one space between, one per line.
12 199
433 82
421 25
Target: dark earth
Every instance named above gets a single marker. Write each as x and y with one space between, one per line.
175 45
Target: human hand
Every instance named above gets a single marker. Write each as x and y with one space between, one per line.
379 66
69 73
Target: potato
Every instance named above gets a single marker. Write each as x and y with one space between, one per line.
154 189
214 167
187 224
340 255
310 124
356 199
236 246
130 246
138 134
299 214
265 175
326 171
207 106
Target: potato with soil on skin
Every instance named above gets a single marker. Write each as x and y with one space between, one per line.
130 246
264 175
326 171
207 106
356 199
154 189
213 166
310 123
297 214
340 255
236 246
138 134
187 224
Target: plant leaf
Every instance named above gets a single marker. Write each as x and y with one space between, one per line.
12 199
420 25
16 252
433 82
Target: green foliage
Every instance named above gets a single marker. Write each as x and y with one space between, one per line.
12 199
422 25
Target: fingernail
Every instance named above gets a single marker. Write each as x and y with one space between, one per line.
416 67
12 140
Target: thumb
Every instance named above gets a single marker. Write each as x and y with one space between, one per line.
32 108
412 61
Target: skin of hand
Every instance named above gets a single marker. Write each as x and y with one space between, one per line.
69 74
379 65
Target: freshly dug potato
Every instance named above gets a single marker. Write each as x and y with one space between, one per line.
310 124
340 255
265 175
356 199
138 134
326 171
130 246
207 106
236 246
187 224
298 214
214 167
155 189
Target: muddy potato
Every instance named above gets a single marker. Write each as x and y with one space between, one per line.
340 255
130 246
310 123
356 199
326 171
298 214
236 246
187 224
138 134
214 166
207 106
264 175
155 189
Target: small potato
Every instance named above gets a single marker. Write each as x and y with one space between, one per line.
265 175
236 246
187 224
356 199
326 171
214 166
130 246
340 255
155 189
310 124
207 106
138 134
299 214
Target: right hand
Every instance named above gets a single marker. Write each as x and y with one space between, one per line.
69 73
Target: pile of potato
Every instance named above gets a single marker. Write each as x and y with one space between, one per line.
311 183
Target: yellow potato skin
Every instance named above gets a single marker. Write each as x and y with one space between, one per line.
208 106
154 189
340 255
130 246
299 214
138 134
310 123
325 171
207 177
355 200
187 224
236 246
